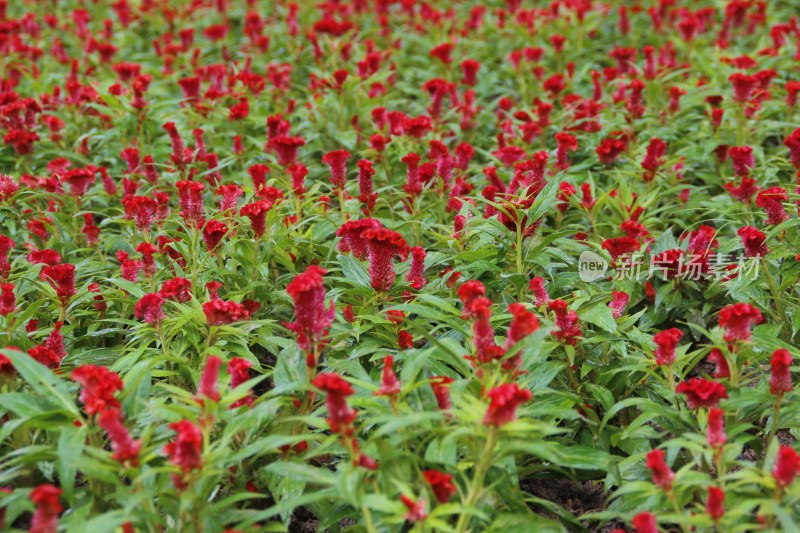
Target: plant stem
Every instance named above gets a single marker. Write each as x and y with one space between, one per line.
774 290
477 481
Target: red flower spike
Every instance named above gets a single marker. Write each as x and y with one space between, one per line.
662 474
185 451
787 466
239 370
771 200
536 286
504 401
390 386
715 503
340 416
737 320
99 385
441 390
645 523
126 449
780 380
722 370
715 432
209 380
383 246
219 312
337 164
48 507
618 303
178 289
312 319
441 484
149 308
569 329
754 241
8 302
666 342
701 392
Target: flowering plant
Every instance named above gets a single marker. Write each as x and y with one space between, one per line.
352 265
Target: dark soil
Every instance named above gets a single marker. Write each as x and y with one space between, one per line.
303 521
576 497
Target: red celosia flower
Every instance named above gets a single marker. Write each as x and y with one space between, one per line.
504 401
178 289
737 319
523 323
8 302
353 240
702 392
186 450
610 149
149 308
645 523
479 310
539 291
654 157
6 244
566 143
62 279
229 193
45 518
298 172
620 246
390 386
209 380
142 209
239 370
337 163
569 329
366 196
470 291
787 466
618 303
743 86
666 342
340 416
383 246
44 257
213 232
744 191
441 484
742 158
441 390
257 213
416 273
405 341
754 241
771 200
416 509
469 69
219 312
780 380
312 319
662 474
721 363
715 433
45 356
125 448
715 504
792 142
99 385
190 196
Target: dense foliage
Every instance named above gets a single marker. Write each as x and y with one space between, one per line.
380 265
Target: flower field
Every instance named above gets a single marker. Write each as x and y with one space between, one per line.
397 265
